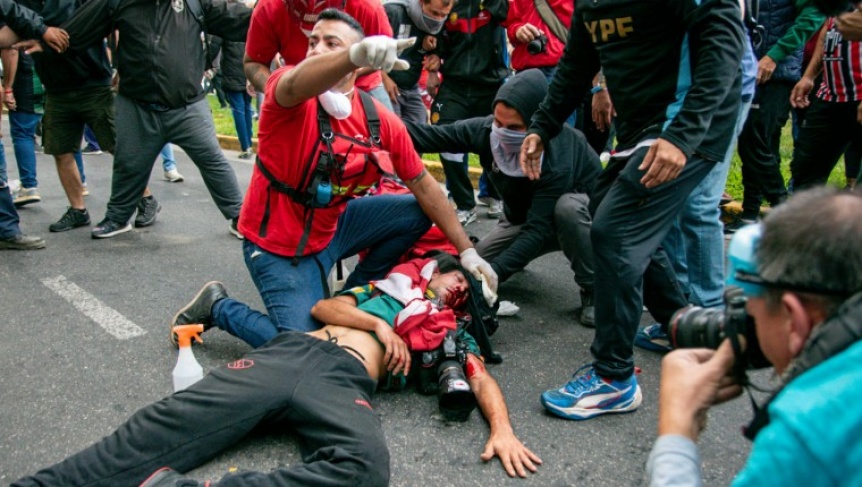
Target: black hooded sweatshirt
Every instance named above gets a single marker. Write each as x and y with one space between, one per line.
569 166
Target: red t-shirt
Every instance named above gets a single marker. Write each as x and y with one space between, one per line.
272 31
288 138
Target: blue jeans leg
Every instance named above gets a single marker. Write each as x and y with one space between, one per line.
22 127
79 161
386 225
169 163
240 107
3 176
696 239
8 215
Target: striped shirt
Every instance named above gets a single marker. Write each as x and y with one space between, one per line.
842 68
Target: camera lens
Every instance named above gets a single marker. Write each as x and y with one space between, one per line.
696 327
456 397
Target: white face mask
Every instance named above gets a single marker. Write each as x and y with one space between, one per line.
506 148
336 104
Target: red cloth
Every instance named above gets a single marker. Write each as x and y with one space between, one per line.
288 138
421 324
524 12
273 31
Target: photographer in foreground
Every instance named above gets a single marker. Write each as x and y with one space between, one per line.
801 272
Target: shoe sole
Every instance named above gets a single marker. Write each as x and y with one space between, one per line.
143 224
175 180
124 229
173 336
645 344
235 233
469 220
7 246
578 414
25 202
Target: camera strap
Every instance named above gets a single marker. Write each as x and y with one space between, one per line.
551 20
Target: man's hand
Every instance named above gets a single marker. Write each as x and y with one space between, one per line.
380 52
603 110
9 100
397 357
799 95
391 88
56 38
429 43
481 270
693 380
515 457
29 46
432 85
531 156
765 68
526 33
850 25
663 163
431 63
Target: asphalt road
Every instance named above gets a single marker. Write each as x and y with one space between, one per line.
67 382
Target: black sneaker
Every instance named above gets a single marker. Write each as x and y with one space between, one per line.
107 229
588 309
199 309
148 208
233 228
73 218
732 227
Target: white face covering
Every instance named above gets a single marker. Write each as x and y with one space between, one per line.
506 147
336 104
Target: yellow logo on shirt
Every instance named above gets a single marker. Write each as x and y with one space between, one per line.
621 27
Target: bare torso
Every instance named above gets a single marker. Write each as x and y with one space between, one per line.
361 344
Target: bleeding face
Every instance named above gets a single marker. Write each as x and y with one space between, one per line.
452 288
305 12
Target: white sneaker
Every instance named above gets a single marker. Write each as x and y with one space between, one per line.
25 196
466 217
86 191
174 176
484 200
495 209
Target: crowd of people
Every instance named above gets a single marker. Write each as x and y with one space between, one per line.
342 118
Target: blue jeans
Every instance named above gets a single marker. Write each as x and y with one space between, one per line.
22 126
696 240
169 163
90 138
4 178
387 225
8 215
79 161
240 107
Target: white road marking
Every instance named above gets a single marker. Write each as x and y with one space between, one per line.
108 318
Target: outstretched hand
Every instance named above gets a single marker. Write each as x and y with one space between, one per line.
482 271
531 156
516 458
380 52
397 357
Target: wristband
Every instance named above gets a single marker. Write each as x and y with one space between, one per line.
597 88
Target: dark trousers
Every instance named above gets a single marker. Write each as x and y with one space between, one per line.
296 382
458 101
826 132
759 147
631 269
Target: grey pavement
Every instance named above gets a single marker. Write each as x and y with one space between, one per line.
67 382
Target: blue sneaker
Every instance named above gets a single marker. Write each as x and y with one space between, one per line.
653 339
589 395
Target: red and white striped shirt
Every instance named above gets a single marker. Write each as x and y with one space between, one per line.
842 68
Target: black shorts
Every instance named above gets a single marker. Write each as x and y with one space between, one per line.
67 112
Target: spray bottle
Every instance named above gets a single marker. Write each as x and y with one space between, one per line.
188 370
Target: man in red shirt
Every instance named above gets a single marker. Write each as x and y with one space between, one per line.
283 26
321 145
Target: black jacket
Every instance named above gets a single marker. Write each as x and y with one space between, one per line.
230 64
23 21
160 57
691 101
570 166
404 28
87 67
472 43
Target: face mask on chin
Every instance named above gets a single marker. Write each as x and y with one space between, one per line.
336 104
506 148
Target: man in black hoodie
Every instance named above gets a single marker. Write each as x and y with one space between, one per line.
539 216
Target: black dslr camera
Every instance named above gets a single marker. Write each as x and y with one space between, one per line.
538 45
695 327
441 371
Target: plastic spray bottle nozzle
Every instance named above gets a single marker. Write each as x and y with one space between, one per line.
187 333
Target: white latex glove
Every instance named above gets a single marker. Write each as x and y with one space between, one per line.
482 271
380 52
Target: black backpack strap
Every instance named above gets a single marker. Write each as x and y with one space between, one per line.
371 116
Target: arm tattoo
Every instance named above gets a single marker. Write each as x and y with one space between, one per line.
417 178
